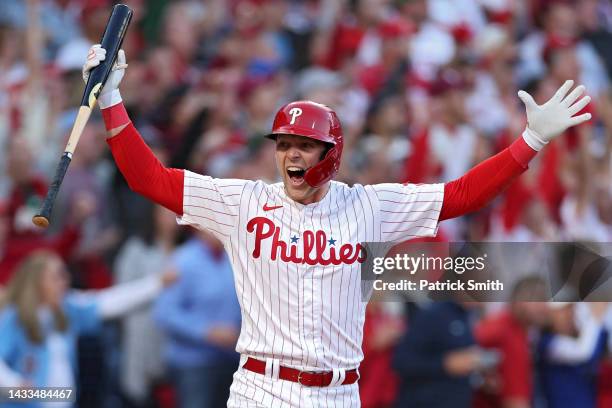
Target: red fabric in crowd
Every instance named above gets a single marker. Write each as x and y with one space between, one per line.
517 195
515 199
378 383
94 273
504 333
550 186
604 389
372 78
419 167
345 43
17 249
20 243
29 194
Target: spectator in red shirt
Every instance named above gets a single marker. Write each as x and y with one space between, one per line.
508 333
604 389
343 30
26 194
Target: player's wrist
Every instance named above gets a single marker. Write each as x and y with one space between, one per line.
522 152
534 139
109 99
115 116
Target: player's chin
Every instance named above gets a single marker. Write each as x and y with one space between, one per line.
296 190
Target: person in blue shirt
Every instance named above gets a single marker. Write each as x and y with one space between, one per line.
200 316
438 357
570 354
41 319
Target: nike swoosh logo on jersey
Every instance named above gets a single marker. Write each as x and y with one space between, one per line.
266 208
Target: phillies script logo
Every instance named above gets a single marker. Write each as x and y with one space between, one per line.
313 243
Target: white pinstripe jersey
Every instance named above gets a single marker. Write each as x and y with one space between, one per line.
297 267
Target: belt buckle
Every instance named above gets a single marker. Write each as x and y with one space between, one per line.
299 378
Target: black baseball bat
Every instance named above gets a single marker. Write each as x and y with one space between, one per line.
111 41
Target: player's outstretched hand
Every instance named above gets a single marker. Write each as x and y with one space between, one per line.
110 93
546 121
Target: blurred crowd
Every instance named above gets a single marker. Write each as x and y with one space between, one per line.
424 90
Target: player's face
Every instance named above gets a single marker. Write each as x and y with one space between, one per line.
295 155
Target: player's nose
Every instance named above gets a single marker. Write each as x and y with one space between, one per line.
293 153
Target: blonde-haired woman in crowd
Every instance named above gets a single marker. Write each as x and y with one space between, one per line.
41 319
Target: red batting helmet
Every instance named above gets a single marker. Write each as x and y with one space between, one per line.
316 121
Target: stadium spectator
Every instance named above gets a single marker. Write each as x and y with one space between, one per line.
438 357
595 30
383 150
560 28
89 180
570 355
449 145
92 20
200 317
144 255
40 320
509 332
26 195
378 383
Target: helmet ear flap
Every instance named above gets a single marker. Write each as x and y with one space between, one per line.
325 170
328 147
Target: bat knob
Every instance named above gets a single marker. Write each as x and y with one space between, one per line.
40 221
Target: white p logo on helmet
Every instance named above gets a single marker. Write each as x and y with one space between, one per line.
294 112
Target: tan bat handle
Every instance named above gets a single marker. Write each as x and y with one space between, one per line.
77 129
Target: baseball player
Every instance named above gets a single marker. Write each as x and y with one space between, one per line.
295 245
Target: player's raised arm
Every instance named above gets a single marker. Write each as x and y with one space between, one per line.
144 173
544 122
201 201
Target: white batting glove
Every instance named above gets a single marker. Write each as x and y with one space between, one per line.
545 122
109 95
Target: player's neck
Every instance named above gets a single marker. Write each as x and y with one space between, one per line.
315 197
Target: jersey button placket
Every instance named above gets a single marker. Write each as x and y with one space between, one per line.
308 290
312 280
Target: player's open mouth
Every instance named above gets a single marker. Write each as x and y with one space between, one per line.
296 175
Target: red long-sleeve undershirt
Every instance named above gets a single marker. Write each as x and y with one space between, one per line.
147 176
144 173
485 181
